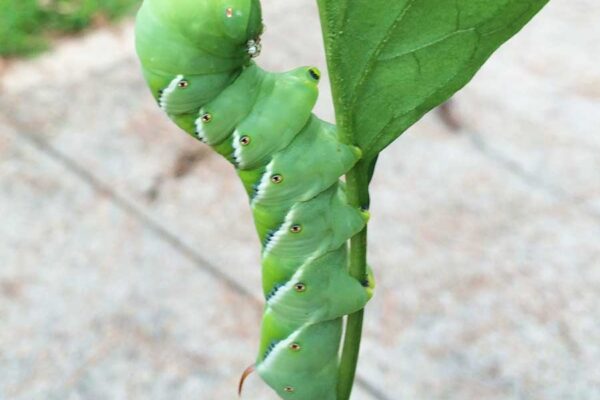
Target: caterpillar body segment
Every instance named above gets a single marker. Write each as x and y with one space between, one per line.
197 60
196 37
308 371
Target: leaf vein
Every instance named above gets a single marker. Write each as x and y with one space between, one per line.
432 43
434 92
373 58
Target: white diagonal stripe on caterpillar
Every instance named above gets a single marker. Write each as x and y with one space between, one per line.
163 101
237 149
264 183
289 285
199 124
283 229
283 345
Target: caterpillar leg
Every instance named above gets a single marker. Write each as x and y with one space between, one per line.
369 282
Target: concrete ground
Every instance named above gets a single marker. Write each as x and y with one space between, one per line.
129 268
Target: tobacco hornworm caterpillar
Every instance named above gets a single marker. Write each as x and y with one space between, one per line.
197 59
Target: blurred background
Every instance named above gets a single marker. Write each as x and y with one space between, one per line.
129 267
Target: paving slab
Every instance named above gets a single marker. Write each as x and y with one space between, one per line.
484 233
486 287
94 305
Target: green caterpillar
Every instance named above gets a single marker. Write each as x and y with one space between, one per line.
197 59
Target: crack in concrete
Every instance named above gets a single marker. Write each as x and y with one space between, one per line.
184 164
370 388
448 117
132 209
455 124
480 144
187 160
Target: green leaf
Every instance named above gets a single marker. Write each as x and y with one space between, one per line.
391 61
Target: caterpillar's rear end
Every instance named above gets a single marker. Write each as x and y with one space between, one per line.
197 59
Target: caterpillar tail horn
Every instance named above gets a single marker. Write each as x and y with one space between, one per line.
245 375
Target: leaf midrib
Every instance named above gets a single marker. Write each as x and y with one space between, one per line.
373 58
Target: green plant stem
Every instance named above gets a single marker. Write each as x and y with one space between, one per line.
357 189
